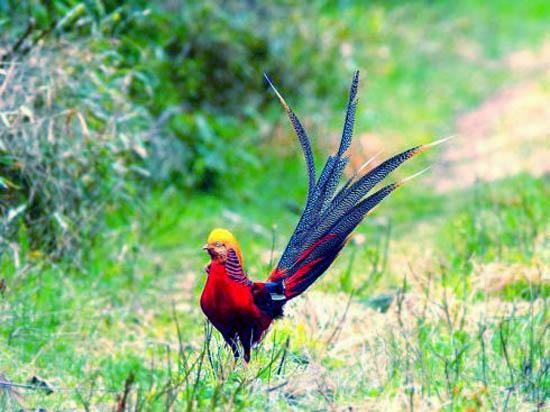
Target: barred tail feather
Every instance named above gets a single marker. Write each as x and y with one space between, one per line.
322 253
330 216
302 137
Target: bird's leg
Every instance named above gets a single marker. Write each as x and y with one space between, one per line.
234 345
245 336
232 341
236 353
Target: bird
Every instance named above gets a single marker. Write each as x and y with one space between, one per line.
243 310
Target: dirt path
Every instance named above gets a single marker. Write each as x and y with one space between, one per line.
507 134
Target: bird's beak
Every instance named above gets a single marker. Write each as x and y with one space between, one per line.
209 249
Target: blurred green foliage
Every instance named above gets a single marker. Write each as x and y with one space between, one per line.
176 87
195 66
185 80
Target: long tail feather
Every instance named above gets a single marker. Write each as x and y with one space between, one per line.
321 255
347 132
330 216
328 180
302 137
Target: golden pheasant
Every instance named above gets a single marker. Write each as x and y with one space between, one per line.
241 309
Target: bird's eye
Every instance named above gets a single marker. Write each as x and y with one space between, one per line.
218 244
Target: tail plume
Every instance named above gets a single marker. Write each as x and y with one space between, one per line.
331 214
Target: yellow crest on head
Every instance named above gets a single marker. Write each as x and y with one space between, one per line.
221 235
225 237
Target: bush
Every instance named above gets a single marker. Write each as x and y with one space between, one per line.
170 94
62 164
196 67
200 67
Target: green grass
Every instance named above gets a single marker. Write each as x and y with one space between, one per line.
129 315
91 330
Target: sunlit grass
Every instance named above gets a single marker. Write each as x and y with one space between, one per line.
95 330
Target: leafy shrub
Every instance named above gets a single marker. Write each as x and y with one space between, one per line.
196 67
169 94
57 173
200 68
